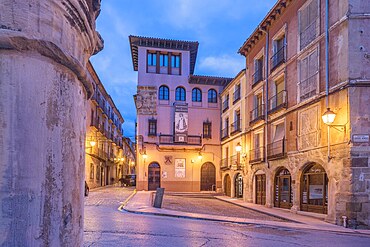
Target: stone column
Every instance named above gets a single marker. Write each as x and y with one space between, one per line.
44 47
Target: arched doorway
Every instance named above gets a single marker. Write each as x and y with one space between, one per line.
208 177
260 188
283 189
227 185
314 189
239 186
154 176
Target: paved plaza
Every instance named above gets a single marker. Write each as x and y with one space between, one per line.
105 225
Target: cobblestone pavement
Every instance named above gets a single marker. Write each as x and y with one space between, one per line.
106 226
211 205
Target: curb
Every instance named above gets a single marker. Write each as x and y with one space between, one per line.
261 211
177 214
127 200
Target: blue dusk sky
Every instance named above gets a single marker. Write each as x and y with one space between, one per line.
220 27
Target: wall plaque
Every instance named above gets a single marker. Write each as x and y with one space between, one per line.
358 138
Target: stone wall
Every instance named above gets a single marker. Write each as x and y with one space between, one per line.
44 48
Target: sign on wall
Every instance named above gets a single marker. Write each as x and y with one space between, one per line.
180 168
181 123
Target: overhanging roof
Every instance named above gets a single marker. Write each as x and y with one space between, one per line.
136 41
271 16
209 80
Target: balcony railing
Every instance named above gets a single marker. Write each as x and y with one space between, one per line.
225 164
276 149
225 105
236 95
278 58
308 35
257 76
278 101
257 155
225 132
170 140
235 127
235 162
257 113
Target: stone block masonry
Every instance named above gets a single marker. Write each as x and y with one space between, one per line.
44 48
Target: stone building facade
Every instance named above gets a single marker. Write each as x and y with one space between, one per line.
233 124
109 156
45 46
178 140
296 74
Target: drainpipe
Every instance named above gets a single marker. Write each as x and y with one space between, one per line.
327 66
266 90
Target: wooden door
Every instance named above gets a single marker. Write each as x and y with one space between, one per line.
227 185
208 177
261 189
154 176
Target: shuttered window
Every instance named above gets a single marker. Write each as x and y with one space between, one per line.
308 76
308 23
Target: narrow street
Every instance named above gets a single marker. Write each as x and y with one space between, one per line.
106 226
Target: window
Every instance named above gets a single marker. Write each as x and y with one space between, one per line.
152 59
212 96
279 51
163 60
180 94
175 61
257 113
207 127
308 23
236 94
225 103
164 93
258 68
152 127
308 76
196 95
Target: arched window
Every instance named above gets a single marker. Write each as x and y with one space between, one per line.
164 93
212 96
196 95
180 94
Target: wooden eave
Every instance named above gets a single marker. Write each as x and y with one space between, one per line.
136 41
271 16
209 80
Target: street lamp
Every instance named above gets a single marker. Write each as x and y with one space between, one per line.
200 155
145 156
238 147
328 117
92 143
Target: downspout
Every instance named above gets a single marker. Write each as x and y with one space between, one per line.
327 66
266 92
